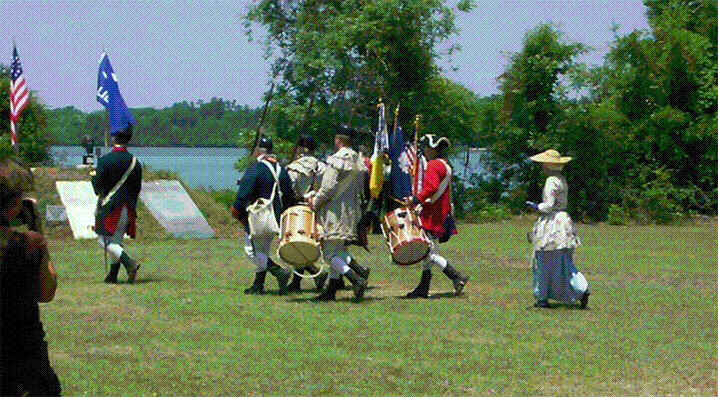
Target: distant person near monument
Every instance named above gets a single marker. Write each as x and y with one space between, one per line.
264 191
117 183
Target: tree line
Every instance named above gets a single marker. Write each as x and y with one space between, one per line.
642 127
214 123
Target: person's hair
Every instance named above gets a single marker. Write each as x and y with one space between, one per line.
302 150
346 139
15 178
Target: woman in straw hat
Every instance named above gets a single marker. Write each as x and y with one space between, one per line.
554 239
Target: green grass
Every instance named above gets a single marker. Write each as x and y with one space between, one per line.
185 328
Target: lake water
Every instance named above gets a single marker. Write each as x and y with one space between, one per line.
206 167
214 167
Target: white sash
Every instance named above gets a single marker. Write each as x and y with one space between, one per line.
443 184
119 183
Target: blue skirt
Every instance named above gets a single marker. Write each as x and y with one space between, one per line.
555 277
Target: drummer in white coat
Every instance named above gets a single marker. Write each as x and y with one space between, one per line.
554 239
338 207
306 175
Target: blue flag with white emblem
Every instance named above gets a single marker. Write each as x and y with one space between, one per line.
108 94
400 165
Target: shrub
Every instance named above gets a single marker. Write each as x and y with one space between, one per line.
617 215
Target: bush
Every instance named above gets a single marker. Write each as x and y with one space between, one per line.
656 200
617 215
488 212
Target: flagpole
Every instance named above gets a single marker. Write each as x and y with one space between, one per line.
396 123
107 116
416 144
393 134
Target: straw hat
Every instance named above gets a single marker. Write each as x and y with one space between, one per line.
550 156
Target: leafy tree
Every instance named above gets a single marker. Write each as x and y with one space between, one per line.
349 54
531 90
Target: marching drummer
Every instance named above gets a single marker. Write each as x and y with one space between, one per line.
337 203
263 179
436 214
306 175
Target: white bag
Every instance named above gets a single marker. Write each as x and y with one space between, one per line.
260 214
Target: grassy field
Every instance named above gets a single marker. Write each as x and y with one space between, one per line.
186 329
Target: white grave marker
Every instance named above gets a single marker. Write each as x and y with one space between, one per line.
170 204
80 201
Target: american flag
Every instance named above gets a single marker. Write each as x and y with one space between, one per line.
18 94
418 173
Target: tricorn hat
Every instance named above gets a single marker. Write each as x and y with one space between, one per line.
432 141
346 130
265 142
307 141
550 156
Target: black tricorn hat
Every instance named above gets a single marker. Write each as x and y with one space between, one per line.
265 142
307 141
346 130
124 135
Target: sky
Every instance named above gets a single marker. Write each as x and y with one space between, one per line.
164 52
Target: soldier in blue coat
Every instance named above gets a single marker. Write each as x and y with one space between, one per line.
258 181
117 183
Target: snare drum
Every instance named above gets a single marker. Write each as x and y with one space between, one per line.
298 244
405 237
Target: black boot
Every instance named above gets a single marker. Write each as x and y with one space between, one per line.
320 279
358 284
329 294
584 300
421 290
131 266
281 274
362 272
458 279
294 285
258 286
112 275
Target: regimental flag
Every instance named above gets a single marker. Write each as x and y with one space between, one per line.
418 172
19 94
381 143
108 94
400 164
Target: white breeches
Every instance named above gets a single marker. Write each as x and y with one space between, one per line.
433 258
257 249
336 255
113 244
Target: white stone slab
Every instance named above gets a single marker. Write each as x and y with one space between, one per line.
170 204
80 201
55 213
